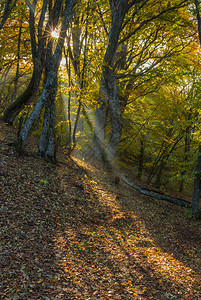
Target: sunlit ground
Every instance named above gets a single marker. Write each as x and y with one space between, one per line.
66 232
115 257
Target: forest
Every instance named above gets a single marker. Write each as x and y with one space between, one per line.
100 99
118 80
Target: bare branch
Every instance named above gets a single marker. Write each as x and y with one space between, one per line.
7 11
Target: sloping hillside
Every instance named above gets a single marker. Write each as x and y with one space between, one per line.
66 232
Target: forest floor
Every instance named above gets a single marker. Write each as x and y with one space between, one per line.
66 232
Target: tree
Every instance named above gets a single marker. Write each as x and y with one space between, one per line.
197 180
108 88
49 89
138 64
79 70
38 55
14 55
8 7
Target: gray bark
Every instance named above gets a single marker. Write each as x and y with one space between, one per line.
141 157
118 10
18 63
197 187
197 180
115 118
49 81
37 55
187 141
50 145
100 121
26 97
21 142
44 135
108 89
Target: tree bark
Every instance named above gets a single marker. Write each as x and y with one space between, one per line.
21 141
100 121
197 187
108 90
50 145
141 157
187 141
26 97
37 55
18 63
50 80
115 118
197 180
44 135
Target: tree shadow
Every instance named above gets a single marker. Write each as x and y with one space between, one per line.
169 227
64 237
108 265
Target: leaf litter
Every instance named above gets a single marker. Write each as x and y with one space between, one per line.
67 232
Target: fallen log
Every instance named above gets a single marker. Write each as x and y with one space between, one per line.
180 202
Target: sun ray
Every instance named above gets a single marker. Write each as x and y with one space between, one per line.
55 33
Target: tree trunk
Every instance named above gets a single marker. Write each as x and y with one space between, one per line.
50 84
197 180
37 55
160 169
44 135
187 141
108 90
50 145
197 187
21 141
100 121
80 73
141 158
26 97
46 142
18 63
115 118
